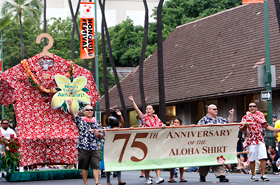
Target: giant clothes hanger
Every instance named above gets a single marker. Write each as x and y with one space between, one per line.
47 47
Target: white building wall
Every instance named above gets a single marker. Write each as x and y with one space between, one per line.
116 11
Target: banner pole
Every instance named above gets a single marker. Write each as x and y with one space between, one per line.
267 62
97 106
1 58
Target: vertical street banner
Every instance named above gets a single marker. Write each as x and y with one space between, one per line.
87 50
252 1
170 147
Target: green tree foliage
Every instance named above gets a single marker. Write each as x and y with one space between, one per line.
23 9
126 38
178 12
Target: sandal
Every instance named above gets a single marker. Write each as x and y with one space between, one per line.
172 181
98 184
122 183
183 180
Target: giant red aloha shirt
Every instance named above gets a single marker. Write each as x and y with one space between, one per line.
254 132
48 136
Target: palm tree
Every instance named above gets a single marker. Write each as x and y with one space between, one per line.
161 91
4 21
113 65
23 9
142 57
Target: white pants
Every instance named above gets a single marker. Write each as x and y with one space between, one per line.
257 152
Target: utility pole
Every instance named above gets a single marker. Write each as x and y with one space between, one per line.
1 60
267 62
97 106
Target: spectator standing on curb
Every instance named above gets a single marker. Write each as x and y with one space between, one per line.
5 132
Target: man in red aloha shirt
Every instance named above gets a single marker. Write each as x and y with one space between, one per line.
253 122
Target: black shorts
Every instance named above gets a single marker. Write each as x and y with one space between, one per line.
86 156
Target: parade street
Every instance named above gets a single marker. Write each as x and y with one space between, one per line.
132 178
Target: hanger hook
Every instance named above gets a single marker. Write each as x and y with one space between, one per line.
47 47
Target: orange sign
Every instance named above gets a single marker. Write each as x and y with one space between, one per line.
251 1
87 31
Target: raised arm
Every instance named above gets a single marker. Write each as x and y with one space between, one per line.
119 113
69 101
139 113
230 117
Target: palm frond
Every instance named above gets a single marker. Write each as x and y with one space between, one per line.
4 21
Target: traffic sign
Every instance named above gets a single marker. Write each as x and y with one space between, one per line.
266 95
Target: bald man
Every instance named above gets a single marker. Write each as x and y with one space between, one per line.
211 118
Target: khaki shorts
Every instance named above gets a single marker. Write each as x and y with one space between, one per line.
86 156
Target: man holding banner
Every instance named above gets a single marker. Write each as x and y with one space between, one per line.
212 118
253 123
87 144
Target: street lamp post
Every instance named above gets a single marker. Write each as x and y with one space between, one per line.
1 59
267 62
97 106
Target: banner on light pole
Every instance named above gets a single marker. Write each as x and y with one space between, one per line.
87 49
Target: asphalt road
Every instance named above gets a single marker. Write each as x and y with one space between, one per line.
132 178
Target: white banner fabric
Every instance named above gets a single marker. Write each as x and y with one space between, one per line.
170 147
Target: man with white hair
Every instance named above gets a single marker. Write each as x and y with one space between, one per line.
212 118
87 146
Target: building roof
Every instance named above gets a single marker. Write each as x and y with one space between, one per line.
214 56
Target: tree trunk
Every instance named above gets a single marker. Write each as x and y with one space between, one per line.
105 78
277 7
45 21
142 58
21 38
126 119
161 91
74 17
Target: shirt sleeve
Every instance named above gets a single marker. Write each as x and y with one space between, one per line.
244 120
201 121
77 120
223 120
93 92
10 82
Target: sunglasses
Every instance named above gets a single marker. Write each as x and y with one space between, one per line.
5 123
89 110
214 109
252 106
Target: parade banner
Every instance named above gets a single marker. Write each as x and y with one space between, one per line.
170 147
252 1
87 49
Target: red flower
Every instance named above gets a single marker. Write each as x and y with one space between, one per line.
12 136
221 160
